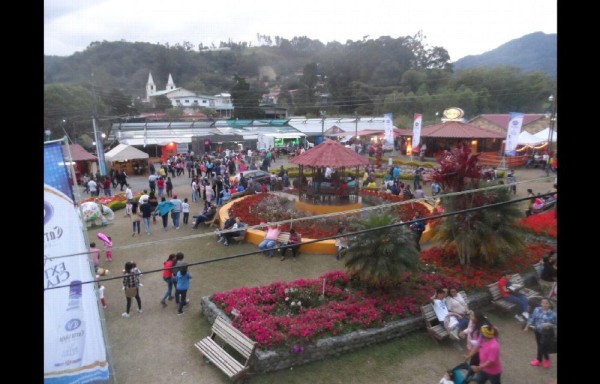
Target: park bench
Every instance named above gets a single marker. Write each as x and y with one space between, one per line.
436 332
214 222
231 338
283 238
241 237
529 293
497 300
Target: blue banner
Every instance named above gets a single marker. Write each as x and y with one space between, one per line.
56 173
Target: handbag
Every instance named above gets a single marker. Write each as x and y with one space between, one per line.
131 292
549 341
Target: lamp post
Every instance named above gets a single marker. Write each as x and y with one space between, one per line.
48 134
322 126
356 131
552 100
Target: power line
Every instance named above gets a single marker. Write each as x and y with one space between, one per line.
445 214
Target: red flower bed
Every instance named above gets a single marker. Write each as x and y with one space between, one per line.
541 223
287 314
476 276
265 207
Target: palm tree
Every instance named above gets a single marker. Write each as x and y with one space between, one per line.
487 235
380 257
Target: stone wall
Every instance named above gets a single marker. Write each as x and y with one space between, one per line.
266 361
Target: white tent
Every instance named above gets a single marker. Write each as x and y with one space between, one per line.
526 138
544 135
124 152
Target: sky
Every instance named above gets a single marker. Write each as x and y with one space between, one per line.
462 27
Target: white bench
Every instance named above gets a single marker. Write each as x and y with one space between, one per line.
233 338
437 332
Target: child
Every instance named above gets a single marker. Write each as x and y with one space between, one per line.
341 244
183 284
101 295
95 253
185 208
107 248
448 377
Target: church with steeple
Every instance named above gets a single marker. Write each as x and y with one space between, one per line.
188 100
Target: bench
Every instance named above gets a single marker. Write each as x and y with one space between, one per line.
214 222
241 237
233 338
497 299
436 332
529 293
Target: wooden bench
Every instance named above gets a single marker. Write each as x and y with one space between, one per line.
497 299
436 332
529 293
241 237
214 222
233 338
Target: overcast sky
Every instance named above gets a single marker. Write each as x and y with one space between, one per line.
463 27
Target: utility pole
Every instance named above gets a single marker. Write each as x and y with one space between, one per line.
356 131
97 138
322 126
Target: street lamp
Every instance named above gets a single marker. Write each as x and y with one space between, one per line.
48 134
322 125
356 131
552 100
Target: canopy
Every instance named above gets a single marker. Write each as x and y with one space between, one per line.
459 130
544 135
124 152
330 153
526 138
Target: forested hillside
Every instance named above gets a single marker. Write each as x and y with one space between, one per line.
369 77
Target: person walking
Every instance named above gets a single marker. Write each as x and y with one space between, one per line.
490 366
131 285
95 254
183 284
168 278
176 212
162 209
543 322
185 209
136 217
169 186
146 212
418 227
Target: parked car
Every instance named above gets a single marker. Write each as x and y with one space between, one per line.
256 175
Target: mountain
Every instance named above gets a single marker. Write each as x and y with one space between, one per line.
534 52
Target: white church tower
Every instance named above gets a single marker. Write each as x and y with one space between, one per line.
170 84
151 87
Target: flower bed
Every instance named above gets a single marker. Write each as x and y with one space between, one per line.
445 261
541 224
284 315
114 202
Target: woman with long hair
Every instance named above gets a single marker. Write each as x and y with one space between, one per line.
542 320
131 285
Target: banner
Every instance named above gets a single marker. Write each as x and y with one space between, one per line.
512 133
417 130
389 128
74 350
56 172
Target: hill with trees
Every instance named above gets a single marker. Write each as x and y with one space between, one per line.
400 75
534 52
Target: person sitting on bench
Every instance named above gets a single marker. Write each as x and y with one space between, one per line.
226 237
508 291
207 214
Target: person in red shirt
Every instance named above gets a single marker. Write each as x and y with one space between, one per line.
504 285
168 278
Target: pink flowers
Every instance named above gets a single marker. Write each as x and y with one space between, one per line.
266 313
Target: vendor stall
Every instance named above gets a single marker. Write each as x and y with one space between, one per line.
127 158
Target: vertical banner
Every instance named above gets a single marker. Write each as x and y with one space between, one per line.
56 172
417 130
389 128
74 350
512 133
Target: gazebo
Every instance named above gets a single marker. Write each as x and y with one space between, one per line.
334 189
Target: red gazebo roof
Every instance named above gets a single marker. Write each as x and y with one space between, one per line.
330 154
80 154
459 130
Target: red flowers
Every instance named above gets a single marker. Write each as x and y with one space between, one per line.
287 314
541 223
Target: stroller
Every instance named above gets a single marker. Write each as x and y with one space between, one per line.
463 374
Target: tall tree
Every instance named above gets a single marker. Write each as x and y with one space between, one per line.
245 101
485 235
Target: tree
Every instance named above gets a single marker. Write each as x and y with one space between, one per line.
245 101
485 235
380 257
118 103
162 103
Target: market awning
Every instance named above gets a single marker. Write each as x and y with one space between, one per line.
124 152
